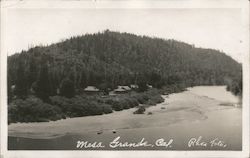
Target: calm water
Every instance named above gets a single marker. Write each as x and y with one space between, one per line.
215 92
185 116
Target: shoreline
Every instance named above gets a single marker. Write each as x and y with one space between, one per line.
181 133
175 112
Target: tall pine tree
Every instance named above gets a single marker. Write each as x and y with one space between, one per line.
21 86
43 86
67 88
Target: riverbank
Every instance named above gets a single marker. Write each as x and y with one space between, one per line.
33 109
180 117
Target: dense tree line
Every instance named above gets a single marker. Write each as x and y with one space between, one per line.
235 85
108 59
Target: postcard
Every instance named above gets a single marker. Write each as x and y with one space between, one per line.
124 78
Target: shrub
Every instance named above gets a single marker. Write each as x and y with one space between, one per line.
115 103
150 113
117 106
132 102
155 100
140 110
107 109
141 98
124 103
81 106
32 109
62 102
12 113
174 88
93 108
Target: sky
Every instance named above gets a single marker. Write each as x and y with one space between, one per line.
219 29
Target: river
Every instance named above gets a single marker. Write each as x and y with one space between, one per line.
201 118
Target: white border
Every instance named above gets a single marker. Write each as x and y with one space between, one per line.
5 5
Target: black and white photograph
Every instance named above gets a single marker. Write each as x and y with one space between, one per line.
124 79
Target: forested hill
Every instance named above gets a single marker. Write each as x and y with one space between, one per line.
109 59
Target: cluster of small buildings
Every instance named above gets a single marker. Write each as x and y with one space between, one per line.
118 90
93 90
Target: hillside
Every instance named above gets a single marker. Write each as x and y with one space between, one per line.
109 59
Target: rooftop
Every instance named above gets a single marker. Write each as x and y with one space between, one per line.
91 88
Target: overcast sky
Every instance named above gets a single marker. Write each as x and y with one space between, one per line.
209 28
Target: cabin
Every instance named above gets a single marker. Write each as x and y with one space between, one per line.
91 90
122 90
134 86
149 86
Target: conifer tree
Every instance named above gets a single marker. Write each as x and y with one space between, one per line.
21 88
43 87
67 88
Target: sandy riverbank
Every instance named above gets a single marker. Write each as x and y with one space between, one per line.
181 117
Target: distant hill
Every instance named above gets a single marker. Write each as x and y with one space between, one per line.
109 59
